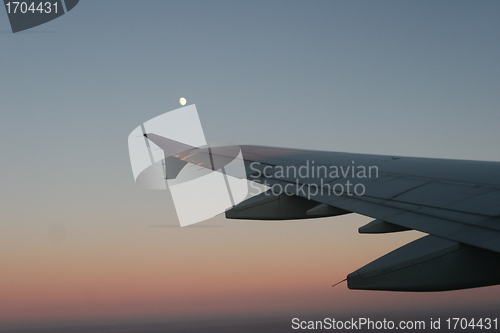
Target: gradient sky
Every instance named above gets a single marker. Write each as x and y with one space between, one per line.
79 241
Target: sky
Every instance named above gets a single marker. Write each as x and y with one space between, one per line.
80 242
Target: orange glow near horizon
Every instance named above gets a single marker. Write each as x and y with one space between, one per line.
237 269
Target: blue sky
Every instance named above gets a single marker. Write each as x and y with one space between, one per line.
416 78
386 77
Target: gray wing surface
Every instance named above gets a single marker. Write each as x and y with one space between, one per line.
454 201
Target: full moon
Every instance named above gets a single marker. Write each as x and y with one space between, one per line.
182 101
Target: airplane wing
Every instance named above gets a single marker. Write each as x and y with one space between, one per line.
456 202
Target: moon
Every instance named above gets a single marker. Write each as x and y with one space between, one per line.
182 101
